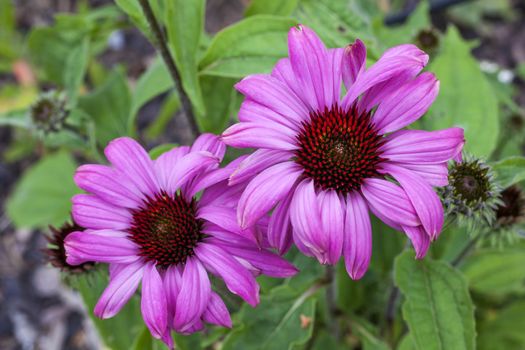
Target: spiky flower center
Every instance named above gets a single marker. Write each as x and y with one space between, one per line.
339 149
166 229
470 181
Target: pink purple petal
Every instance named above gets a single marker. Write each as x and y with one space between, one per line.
357 248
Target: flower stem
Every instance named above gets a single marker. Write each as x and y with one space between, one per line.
170 63
331 302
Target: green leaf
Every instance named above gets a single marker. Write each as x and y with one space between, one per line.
406 343
43 196
109 107
155 81
169 107
368 335
271 7
220 102
187 342
510 171
134 11
160 149
496 271
466 98
505 331
75 69
337 22
437 307
120 331
252 45
185 25
282 320
18 118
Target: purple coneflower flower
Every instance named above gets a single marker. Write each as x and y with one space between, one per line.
143 218
324 161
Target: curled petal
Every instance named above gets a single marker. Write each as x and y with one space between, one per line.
209 143
217 313
420 240
280 226
153 302
354 62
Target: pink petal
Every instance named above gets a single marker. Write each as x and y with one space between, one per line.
211 177
153 302
358 236
238 280
274 94
425 201
226 218
188 167
209 143
109 185
392 63
420 239
354 62
306 222
391 201
259 135
172 283
284 72
166 162
312 67
407 104
217 313
103 246
332 213
257 162
92 212
255 112
265 190
424 147
280 226
433 174
194 295
134 162
119 290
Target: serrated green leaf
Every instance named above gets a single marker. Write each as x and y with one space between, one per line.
466 98
185 25
271 7
252 45
109 107
496 271
42 197
510 171
437 307
276 323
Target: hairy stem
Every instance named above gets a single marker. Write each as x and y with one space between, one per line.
162 46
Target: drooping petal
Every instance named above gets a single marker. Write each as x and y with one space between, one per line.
209 143
172 284
332 213
433 174
217 313
238 280
354 62
280 226
188 167
420 239
425 201
274 94
119 290
249 134
153 304
358 236
424 147
133 161
266 262
193 296
166 162
92 212
407 104
103 246
311 65
306 222
257 162
265 190
109 185
392 63
391 201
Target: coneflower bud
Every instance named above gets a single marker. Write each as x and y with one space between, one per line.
427 40
471 195
49 111
510 217
56 253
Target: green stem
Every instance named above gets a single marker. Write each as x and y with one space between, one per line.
170 63
331 296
